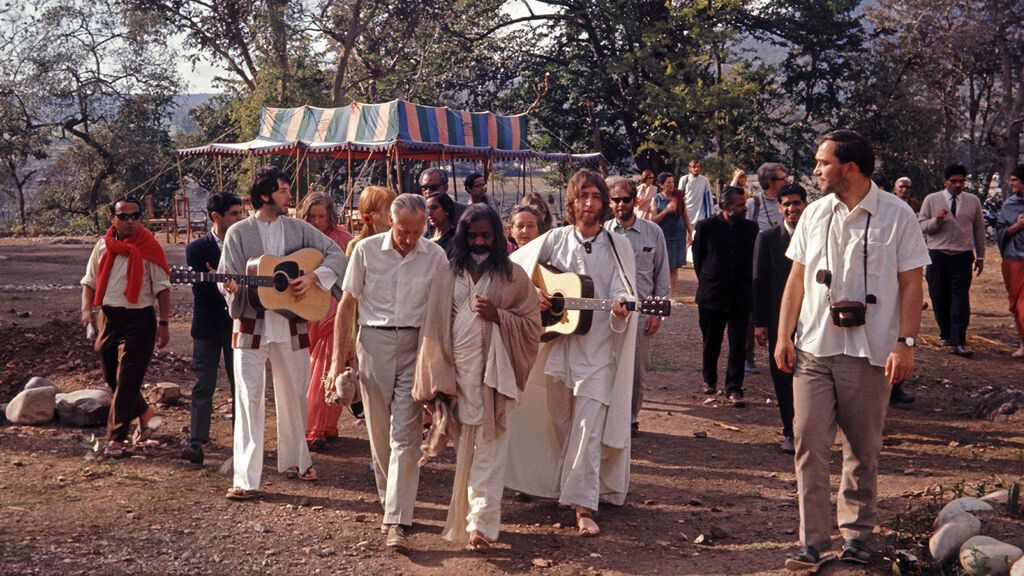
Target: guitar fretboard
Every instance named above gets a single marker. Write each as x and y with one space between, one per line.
241 279
593 304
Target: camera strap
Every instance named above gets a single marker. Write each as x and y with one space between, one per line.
828 265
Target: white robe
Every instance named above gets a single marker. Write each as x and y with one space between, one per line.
536 445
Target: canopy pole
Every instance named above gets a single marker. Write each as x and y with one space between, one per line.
351 194
308 179
398 168
522 175
220 176
455 185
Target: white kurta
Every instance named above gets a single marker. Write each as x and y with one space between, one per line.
569 436
481 456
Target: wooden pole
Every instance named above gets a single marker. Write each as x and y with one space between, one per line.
398 168
351 194
220 175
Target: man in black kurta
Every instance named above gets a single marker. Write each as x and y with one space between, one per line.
723 252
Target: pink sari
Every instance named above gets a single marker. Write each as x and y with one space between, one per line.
321 418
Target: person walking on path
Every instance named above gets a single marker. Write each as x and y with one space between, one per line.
853 299
1010 238
954 229
126 275
211 323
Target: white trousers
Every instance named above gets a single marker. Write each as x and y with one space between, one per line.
291 377
580 421
486 481
387 361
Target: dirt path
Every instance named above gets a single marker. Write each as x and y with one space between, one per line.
156 514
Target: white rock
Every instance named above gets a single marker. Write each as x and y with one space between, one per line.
965 504
38 382
982 555
84 407
33 406
1018 568
997 497
946 541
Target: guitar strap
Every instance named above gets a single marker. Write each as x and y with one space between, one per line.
618 261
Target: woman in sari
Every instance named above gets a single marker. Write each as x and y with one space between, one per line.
322 419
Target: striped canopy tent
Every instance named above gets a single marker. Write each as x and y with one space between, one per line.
406 130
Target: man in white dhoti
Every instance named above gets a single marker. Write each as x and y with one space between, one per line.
388 279
477 345
570 435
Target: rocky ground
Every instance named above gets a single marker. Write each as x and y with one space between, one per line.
710 492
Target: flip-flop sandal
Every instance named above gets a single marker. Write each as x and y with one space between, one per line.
585 531
478 543
308 476
807 559
144 434
236 493
115 452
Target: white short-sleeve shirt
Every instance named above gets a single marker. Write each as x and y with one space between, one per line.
391 289
894 244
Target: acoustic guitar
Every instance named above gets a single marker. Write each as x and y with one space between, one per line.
266 278
573 302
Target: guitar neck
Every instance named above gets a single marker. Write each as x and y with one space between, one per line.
241 279
594 304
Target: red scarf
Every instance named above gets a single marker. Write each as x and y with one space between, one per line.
138 246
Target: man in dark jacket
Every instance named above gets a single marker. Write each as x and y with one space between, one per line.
723 252
771 269
211 325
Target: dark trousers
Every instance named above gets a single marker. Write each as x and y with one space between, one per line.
206 358
713 324
949 286
124 346
783 388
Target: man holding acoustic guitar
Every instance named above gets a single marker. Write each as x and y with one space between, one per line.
273 325
570 435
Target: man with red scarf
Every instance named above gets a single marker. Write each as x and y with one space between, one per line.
127 273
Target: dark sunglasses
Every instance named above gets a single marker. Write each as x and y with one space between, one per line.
430 187
132 216
622 200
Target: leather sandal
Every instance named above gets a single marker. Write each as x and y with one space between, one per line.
478 542
236 493
855 552
115 452
586 531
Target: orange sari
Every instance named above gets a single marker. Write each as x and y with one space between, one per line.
322 418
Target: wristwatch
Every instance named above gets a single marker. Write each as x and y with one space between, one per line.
908 340
161 323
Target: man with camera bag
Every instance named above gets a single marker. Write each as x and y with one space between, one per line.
854 297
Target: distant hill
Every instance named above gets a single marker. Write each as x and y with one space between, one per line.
180 119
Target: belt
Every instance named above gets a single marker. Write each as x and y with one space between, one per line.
394 328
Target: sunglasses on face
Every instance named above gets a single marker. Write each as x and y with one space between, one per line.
130 216
622 200
430 187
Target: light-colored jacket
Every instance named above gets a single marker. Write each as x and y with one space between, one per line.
243 242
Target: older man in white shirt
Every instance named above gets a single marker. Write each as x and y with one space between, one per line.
388 279
854 298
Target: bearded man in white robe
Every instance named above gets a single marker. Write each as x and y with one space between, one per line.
570 434
477 345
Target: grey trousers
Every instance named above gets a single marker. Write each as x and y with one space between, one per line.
640 367
387 361
206 358
849 394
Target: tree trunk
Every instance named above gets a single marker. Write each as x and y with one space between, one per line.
279 44
340 69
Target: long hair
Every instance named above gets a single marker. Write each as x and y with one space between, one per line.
319 199
584 177
447 204
461 256
264 183
373 199
535 201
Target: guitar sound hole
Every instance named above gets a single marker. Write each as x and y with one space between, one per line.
284 272
557 305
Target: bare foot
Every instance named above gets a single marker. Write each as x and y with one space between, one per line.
1019 353
585 523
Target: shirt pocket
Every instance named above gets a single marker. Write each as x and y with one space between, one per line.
645 261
